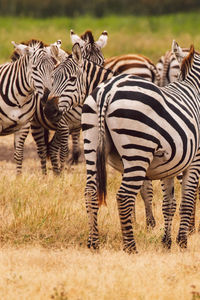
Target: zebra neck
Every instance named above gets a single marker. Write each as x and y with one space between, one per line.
94 75
20 89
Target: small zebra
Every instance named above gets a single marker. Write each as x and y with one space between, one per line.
149 133
20 79
169 67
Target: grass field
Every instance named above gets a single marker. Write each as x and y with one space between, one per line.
43 228
150 36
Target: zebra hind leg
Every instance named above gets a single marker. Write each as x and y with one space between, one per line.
146 192
189 188
168 208
92 208
19 140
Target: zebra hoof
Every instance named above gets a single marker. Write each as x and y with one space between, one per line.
191 230
182 242
151 223
93 245
167 242
130 249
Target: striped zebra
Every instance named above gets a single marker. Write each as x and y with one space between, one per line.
92 81
147 132
70 123
20 136
169 69
20 79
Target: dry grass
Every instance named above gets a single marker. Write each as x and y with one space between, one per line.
43 234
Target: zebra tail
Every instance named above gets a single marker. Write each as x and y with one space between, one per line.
46 140
101 155
101 173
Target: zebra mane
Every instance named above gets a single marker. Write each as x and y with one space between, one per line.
88 37
32 42
187 62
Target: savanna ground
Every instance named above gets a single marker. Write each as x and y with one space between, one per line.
43 228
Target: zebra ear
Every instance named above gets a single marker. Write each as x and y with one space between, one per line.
179 54
76 54
21 48
54 50
102 41
76 39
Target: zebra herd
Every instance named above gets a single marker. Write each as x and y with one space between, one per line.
143 119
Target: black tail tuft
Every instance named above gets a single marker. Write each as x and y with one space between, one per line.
101 173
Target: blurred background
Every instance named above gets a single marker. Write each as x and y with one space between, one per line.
98 8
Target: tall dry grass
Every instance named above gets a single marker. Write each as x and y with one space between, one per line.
43 233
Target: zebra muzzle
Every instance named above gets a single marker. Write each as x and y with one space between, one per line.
52 111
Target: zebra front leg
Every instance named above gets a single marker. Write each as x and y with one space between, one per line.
19 140
168 208
191 228
58 148
146 192
76 151
53 152
189 188
40 136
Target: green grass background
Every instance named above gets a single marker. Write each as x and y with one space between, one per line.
150 36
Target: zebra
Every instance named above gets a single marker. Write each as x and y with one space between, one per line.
146 131
70 123
20 79
91 50
169 67
20 136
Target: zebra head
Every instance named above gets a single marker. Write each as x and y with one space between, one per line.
90 49
72 78
185 59
41 61
68 85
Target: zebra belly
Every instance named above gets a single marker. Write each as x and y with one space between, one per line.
162 167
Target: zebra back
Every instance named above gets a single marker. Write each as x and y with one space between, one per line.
134 64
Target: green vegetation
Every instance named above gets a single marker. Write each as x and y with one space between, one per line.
150 36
